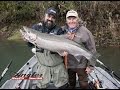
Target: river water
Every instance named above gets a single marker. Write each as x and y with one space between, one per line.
17 51
20 53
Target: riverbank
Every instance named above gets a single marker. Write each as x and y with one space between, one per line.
102 18
13 35
11 31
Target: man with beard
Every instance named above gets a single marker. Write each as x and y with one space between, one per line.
51 64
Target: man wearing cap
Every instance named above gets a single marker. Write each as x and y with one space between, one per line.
51 64
76 31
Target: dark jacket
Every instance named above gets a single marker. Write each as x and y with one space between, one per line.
42 28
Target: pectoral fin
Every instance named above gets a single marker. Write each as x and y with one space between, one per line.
61 53
78 57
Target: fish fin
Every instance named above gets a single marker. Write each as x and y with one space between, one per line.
61 53
95 56
78 57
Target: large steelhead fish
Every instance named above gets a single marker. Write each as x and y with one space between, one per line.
56 43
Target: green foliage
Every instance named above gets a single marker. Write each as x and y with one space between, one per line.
102 17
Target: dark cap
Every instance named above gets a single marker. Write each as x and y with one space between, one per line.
51 11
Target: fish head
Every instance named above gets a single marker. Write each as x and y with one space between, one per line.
28 34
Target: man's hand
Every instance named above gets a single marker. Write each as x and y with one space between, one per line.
33 50
65 58
24 39
70 35
89 69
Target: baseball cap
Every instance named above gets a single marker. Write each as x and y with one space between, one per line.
71 13
51 11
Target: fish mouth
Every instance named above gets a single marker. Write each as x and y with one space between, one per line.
22 32
25 29
27 35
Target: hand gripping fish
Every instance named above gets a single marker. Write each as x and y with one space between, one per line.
56 43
